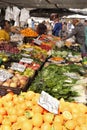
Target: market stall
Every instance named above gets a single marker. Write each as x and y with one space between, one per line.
43 81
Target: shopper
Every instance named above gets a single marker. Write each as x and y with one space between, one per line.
57 26
79 33
86 31
41 29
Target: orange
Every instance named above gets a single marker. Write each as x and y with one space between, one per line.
46 126
6 127
70 124
77 127
9 96
37 119
1 118
2 111
64 128
29 114
35 98
6 121
57 126
67 115
29 104
19 112
15 99
58 119
36 128
81 120
21 119
20 99
36 108
82 108
48 117
11 111
29 95
84 126
16 126
12 118
27 125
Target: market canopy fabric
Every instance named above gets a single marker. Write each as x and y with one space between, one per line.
45 3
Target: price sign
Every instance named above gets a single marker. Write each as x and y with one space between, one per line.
38 42
28 49
4 75
25 55
17 66
48 102
26 60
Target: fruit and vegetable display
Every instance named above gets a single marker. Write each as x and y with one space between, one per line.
9 48
25 113
28 70
58 78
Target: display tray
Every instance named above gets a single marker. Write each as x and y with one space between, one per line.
17 90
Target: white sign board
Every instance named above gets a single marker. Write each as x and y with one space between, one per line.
48 102
4 75
18 67
26 60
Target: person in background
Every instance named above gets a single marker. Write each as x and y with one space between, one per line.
70 27
57 26
79 33
32 24
4 31
41 29
85 22
63 32
49 28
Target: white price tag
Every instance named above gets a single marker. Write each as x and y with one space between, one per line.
28 49
26 60
19 67
4 75
48 102
38 42
25 55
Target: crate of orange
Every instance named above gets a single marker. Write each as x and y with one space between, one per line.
28 34
31 116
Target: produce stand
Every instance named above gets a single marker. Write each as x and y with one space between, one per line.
48 53
50 93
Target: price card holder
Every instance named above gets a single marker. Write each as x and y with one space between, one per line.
4 75
18 67
26 60
28 49
48 102
38 42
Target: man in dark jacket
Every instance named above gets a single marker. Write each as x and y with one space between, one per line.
79 33
57 26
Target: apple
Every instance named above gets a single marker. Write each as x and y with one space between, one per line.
7 84
13 84
1 83
11 71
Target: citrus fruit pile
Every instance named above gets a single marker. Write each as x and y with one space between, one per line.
22 112
28 32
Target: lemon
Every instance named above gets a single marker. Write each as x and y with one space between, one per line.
5 59
67 115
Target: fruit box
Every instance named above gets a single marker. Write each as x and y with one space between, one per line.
17 90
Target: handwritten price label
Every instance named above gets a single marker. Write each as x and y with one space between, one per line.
4 75
17 66
48 102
